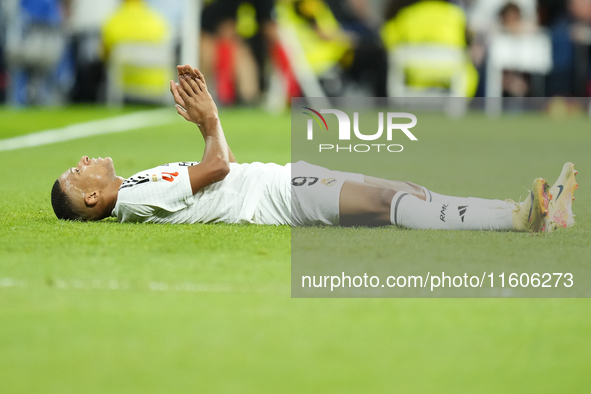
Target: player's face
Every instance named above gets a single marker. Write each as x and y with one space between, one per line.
88 176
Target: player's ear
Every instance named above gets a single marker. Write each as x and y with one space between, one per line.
91 199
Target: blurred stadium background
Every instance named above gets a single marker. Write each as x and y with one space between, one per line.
261 52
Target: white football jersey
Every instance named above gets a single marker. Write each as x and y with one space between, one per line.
251 193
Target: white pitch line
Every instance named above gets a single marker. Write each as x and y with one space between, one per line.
11 282
96 127
112 284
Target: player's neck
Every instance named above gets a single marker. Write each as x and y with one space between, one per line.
111 194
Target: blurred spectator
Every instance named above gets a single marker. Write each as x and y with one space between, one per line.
369 12
329 47
501 29
431 23
510 18
135 22
85 23
85 26
369 68
571 41
236 37
515 84
483 14
36 48
324 42
354 16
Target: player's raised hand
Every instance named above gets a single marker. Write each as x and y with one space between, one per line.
175 94
182 71
194 103
193 72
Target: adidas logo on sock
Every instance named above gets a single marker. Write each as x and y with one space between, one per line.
462 210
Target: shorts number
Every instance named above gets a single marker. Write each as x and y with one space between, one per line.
302 180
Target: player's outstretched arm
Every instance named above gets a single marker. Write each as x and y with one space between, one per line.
196 75
201 109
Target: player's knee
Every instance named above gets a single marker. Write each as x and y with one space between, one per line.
385 200
416 190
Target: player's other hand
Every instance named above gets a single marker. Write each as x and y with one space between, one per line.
194 103
188 70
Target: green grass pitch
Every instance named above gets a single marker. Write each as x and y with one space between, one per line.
123 308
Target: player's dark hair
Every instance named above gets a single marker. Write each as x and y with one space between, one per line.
62 205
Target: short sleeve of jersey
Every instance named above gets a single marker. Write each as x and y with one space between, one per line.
148 193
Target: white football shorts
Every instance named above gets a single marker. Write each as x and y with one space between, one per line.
315 194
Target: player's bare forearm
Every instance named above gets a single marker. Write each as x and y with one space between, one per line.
214 166
209 109
215 154
200 109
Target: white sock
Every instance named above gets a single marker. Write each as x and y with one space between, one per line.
481 202
412 212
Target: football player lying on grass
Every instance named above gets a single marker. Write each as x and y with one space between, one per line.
219 189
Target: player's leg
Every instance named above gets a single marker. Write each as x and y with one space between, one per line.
408 211
430 196
397 186
370 205
362 204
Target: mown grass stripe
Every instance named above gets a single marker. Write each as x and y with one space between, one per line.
116 124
